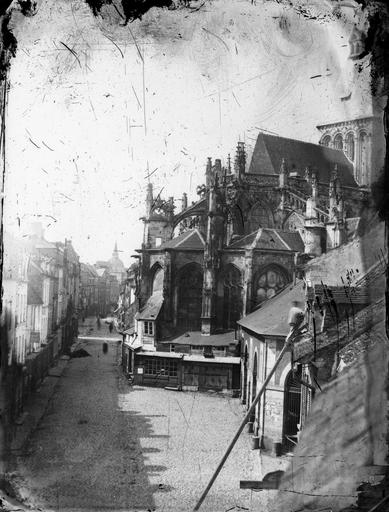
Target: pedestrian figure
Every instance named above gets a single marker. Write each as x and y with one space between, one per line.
98 322
105 347
110 327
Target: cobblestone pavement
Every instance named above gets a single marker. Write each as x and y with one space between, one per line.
105 445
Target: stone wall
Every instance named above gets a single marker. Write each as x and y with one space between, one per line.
356 256
344 442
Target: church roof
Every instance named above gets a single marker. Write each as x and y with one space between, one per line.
271 319
152 308
189 240
269 151
266 238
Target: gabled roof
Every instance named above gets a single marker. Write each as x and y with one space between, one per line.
271 319
188 241
152 307
266 238
366 325
269 151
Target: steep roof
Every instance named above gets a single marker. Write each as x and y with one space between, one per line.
152 308
369 322
269 151
271 319
188 241
266 238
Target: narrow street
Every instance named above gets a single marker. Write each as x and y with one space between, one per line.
105 445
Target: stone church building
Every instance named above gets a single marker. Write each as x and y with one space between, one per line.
245 239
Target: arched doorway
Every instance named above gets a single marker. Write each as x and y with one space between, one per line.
190 287
254 384
232 297
292 410
244 376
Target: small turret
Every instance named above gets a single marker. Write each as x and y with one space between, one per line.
283 177
335 225
218 170
184 201
240 159
229 164
332 193
208 172
149 199
315 185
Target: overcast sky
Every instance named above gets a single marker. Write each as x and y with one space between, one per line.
94 106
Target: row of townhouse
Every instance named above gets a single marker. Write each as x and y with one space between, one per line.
100 286
39 320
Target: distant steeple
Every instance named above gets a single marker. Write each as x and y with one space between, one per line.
115 253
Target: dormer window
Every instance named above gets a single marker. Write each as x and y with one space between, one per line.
148 328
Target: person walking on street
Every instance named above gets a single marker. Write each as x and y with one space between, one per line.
98 322
110 327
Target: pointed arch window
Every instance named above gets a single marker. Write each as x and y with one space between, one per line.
326 141
362 157
157 280
232 307
260 216
338 141
350 146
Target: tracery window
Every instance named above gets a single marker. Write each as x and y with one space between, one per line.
190 287
338 141
268 283
326 141
260 216
157 282
350 146
362 157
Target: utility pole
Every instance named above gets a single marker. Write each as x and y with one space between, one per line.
295 322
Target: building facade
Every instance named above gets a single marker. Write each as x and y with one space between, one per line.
40 310
246 238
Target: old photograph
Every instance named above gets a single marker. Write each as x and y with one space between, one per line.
194 259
